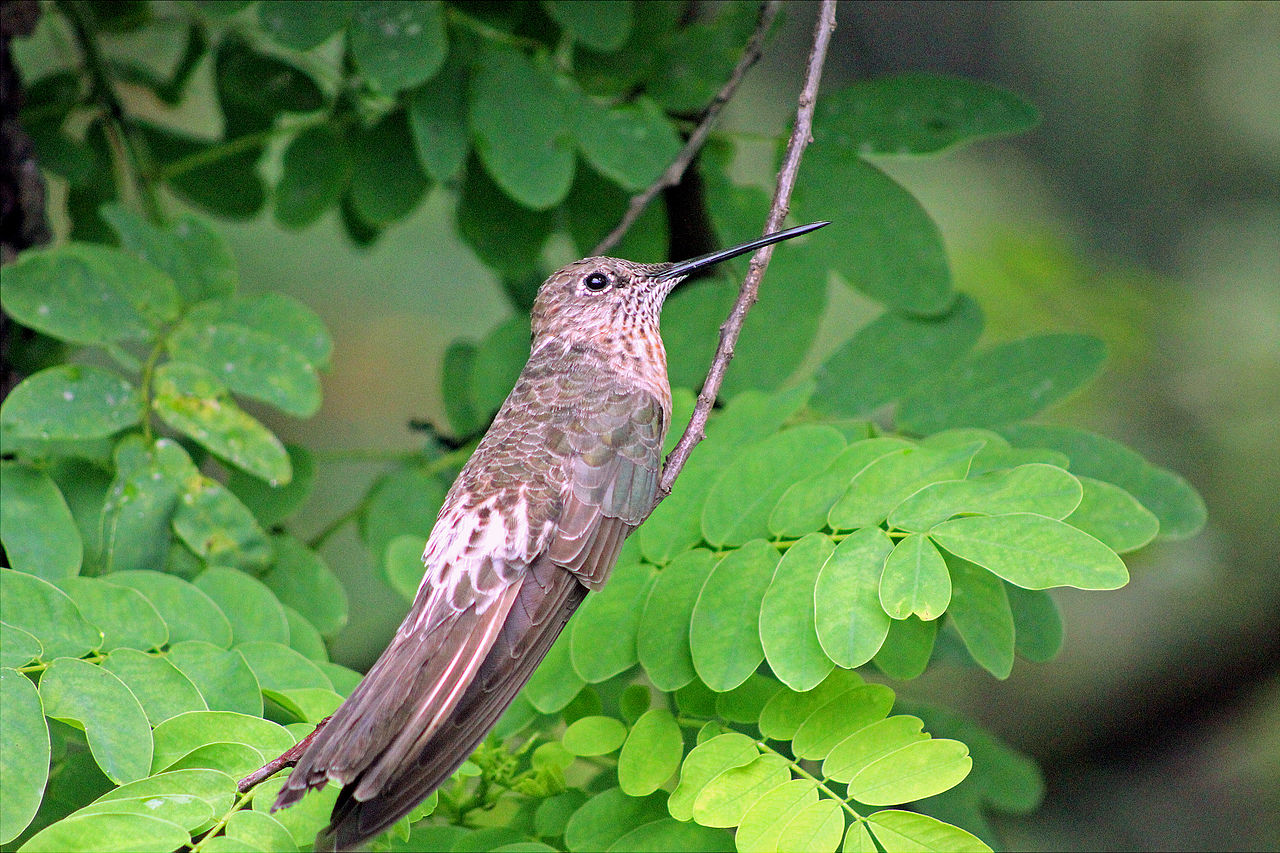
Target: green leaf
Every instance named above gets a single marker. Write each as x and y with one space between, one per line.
871 743
1032 551
915 580
850 621
386 183
89 294
724 634
595 204
189 613
273 504
302 27
1180 509
725 799
1037 623
305 704
744 703
980 611
181 735
194 401
251 608
437 119
222 677
910 832
280 668
125 617
161 689
138 511
259 829
398 45
255 88
803 507
275 315
907 648
459 406
788 630
883 243
818 826
553 813
705 762
230 186
651 754
186 811
603 633
1110 514
1003 384
521 129
602 25
1043 489
630 144
784 713
693 60
18 647
504 235
501 356
24 753
403 566
892 354
762 825
738 507
300 579
304 819
315 170
555 682
304 638
194 255
662 639
214 787
107 831
40 537
918 113
403 502
670 834
70 402
594 736
841 716
877 489
217 527
44 611
113 720
605 818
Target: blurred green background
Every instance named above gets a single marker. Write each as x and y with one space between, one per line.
1144 209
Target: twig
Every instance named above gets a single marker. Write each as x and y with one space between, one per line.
800 138
676 170
288 758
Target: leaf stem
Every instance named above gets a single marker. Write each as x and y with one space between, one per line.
241 801
795 765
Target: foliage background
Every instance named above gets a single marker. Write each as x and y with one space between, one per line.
1145 208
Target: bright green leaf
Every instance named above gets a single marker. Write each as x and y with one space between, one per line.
305 704
403 502
186 811
555 682
606 817
303 819
161 689
96 832
784 713
185 733
40 537
1113 516
705 762
113 720
915 580
670 834
24 753
662 640
47 613
217 527
818 826
125 616
304 638
725 799
788 630
260 830
185 608
252 609
724 634
1042 489
222 676
762 824
651 753
877 489
841 716
273 504
275 315
871 743
214 787
594 736
603 633
803 507
848 616
138 510
70 402
909 832
280 668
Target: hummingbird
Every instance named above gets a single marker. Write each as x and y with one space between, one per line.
535 521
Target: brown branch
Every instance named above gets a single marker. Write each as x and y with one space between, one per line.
288 758
676 170
800 138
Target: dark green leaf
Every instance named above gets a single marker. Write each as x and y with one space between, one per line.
850 621
907 648
254 612
651 754
185 608
787 615
273 504
603 638
1032 551
517 114
980 611
724 635
1110 514
398 45
161 689
662 641
305 704
193 254
459 405
40 536
302 26
437 119
882 241
403 502
217 527
70 402
915 580
602 25
604 818
44 611
744 703
501 356
504 235
1037 623
553 813
878 488
300 579
1003 384
386 183
889 356
693 61
125 617
276 315
228 186
89 294
24 753
222 677
917 113
113 721
595 205
192 400
630 144
254 88
315 170
139 507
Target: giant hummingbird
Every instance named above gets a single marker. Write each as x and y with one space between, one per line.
535 520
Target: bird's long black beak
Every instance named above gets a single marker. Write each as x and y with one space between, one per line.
684 268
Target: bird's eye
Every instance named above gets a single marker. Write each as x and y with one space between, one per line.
596 281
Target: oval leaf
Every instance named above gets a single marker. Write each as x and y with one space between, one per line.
724 634
915 580
71 402
848 616
398 45
24 753
40 537
662 640
113 720
788 630
651 753
47 613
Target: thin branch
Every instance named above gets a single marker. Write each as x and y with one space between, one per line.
800 138
676 170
